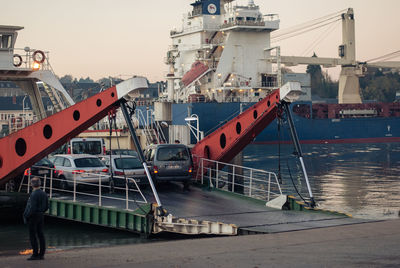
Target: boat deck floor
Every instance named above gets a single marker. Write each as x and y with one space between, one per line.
249 215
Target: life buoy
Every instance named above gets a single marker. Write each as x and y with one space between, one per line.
38 56
19 62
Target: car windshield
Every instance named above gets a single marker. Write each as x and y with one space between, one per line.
125 152
172 154
127 163
43 162
88 162
86 147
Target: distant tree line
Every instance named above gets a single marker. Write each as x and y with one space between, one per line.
105 81
375 85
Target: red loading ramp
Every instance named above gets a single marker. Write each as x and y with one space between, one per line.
229 140
22 149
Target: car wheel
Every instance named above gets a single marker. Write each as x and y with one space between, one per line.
63 183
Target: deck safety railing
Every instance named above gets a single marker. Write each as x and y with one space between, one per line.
100 192
27 60
250 182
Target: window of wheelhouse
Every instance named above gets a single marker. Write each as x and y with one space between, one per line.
268 80
5 41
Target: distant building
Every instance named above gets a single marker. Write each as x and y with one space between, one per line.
9 89
80 91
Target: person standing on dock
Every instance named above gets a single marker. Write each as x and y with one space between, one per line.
37 204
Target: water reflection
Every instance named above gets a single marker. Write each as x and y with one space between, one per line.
61 235
360 179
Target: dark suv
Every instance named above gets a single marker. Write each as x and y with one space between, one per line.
170 162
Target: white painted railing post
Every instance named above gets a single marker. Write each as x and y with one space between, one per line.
44 183
74 187
51 183
277 182
216 176
99 189
269 185
233 179
126 194
209 176
251 181
202 171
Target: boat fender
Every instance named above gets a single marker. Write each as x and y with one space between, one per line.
19 62
37 58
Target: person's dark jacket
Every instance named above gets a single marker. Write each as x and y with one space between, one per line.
38 203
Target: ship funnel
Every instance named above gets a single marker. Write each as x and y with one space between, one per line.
251 3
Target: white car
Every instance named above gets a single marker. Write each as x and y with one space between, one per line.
84 168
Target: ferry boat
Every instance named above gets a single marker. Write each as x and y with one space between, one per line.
219 63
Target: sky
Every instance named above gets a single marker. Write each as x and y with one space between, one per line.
121 38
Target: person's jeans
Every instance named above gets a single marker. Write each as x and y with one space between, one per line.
36 223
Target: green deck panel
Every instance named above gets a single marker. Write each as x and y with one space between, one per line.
70 211
87 214
61 210
105 216
121 219
78 212
95 215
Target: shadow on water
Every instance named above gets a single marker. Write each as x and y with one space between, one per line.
360 179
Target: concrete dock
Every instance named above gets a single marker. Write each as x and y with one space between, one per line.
374 244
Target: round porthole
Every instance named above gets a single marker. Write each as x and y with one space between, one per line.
222 140
47 131
20 147
238 128
255 114
76 115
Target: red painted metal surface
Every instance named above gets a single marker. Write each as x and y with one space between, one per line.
22 149
197 69
226 142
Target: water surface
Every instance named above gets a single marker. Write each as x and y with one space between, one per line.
360 179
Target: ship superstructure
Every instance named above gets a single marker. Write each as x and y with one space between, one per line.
218 53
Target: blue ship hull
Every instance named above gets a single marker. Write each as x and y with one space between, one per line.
346 130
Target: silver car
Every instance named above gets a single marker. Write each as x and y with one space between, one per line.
125 166
84 168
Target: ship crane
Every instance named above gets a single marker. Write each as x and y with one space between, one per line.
349 86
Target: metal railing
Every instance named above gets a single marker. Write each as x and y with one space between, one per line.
27 59
101 192
151 128
250 182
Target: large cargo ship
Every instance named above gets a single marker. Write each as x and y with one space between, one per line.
221 61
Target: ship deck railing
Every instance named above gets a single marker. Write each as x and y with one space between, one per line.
250 182
100 193
26 55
